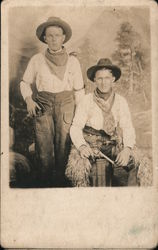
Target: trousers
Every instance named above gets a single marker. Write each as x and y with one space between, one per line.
52 140
121 176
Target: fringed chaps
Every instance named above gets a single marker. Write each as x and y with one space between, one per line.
144 165
78 169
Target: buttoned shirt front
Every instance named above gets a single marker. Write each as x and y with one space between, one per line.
39 72
88 113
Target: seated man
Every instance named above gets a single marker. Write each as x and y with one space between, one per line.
102 122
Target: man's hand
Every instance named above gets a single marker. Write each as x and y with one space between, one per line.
31 106
86 151
123 157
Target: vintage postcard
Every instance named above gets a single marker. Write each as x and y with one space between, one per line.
79 148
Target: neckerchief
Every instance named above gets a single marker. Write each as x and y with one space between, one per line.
105 106
57 62
58 58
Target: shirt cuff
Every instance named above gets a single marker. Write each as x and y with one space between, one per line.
77 136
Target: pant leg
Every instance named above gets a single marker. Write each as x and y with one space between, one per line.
120 177
132 178
63 118
123 178
44 143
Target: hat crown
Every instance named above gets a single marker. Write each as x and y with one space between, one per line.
104 62
53 18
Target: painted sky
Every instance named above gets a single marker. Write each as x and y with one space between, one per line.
98 23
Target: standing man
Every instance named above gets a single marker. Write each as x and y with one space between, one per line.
102 121
60 86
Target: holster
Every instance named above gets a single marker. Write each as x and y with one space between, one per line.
98 139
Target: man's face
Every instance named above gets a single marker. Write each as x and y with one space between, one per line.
104 80
54 37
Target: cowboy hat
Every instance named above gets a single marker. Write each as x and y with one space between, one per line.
104 63
54 21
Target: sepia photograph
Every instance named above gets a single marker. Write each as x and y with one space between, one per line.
79 125
80 97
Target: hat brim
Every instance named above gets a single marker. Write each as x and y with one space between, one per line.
66 28
92 70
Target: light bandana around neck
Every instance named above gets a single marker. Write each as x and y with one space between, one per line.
105 106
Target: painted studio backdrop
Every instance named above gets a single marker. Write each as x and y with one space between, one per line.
121 34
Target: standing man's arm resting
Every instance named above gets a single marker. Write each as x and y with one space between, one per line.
25 88
78 82
27 96
79 95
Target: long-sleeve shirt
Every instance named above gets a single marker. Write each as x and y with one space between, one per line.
90 114
38 72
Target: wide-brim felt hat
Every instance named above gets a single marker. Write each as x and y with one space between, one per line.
104 63
54 21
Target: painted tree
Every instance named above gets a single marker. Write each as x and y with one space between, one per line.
130 56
